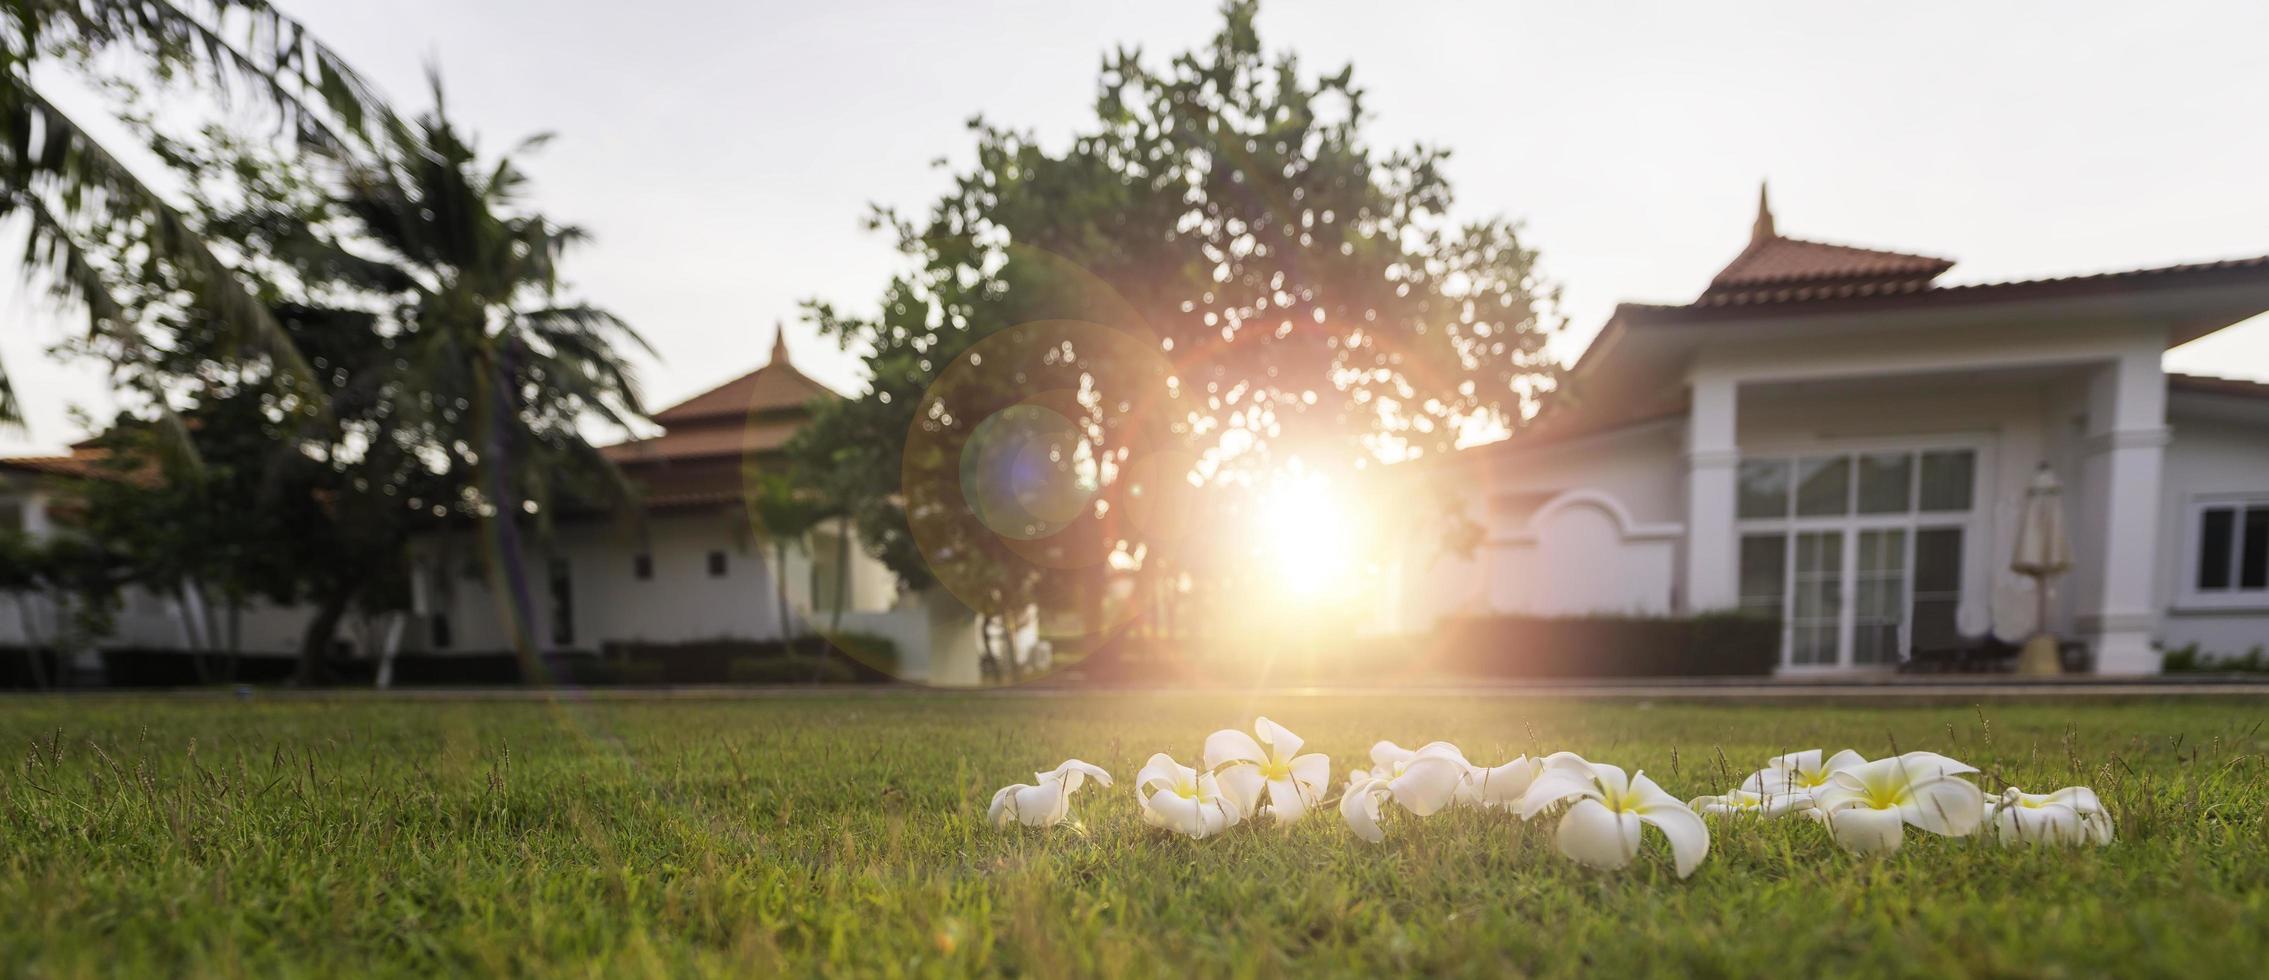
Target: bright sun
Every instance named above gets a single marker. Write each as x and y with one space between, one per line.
1306 535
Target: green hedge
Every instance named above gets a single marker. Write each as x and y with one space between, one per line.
1463 648
853 658
1710 645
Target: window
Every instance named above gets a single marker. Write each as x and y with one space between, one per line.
2233 550
1764 575
1823 486
1763 488
440 635
562 604
11 516
1859 555
1937 589
716 564
642 566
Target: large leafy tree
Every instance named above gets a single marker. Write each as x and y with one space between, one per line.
71 192
1308 294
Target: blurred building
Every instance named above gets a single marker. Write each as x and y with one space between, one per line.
693 567
1833 437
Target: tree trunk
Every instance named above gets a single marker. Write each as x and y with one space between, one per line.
34 658
315 644
842 575
235 635
780 594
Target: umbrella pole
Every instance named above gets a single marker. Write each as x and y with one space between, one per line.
2039 657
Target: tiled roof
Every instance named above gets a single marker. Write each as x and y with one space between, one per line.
1777 261
776 387
716 438
707 439
1923 291
1774 261
85 462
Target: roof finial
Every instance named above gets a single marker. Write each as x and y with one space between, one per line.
1764 228
779 344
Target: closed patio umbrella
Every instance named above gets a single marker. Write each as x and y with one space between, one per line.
2044 552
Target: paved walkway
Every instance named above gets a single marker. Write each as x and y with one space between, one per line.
1954 688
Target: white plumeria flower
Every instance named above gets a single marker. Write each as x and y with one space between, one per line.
1745 803
1422 781
1247 767
1868 807
1047 802
2072 815
1183 800
1500 786
1804 772
1602 829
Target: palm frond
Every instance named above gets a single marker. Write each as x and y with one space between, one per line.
169 235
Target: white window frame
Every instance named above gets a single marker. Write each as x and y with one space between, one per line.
2188 595
1973 523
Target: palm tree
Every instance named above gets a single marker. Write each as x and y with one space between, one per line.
70 189
493 371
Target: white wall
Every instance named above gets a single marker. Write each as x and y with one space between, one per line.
2208 456
1522 567
681 603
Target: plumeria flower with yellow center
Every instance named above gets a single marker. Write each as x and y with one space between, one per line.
1804 772
2072 815
1601 829
1868 807
1046 802
1745 803
1184 800
1272 764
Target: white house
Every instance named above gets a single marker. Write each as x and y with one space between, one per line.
35 499
1831 436
694 567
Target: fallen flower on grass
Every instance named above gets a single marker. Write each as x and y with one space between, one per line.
1047 802
1746 803
1247 767
1184 800
1868 807
1803 772
1421 782
1602 829
2072 815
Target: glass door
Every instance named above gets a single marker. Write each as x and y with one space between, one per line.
1816 614
1880 584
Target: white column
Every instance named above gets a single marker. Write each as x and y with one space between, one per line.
1712 555
2115 607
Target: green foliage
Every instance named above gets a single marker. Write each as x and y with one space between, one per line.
2190 659
72 194
450 373
845 835
1281 287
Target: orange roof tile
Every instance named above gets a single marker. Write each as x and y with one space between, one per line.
1775 260
775 387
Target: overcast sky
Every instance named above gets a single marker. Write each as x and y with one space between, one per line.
723 152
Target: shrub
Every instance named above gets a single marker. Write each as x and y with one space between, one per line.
1712 644
2190 660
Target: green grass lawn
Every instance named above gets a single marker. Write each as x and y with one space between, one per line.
847 836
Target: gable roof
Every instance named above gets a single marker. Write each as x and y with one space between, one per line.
775 387
87 460
1773 260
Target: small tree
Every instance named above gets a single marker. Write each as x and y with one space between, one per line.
782 515
1281 287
